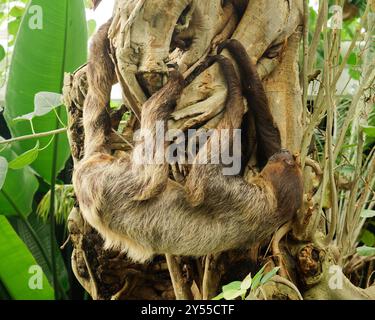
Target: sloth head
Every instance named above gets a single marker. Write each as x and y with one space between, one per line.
284 172
285 156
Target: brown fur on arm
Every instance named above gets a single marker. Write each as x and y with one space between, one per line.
234 110
267 133
100 76
149 179
156 110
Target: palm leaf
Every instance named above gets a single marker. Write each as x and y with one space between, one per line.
40 58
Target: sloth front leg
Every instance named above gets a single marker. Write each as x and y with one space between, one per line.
114 194
221 142
148 157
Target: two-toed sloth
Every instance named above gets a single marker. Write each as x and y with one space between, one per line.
138 209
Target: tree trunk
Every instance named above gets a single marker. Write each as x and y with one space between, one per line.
145 37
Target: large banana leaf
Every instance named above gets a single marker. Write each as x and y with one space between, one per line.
17 192
19 271
40 58
42 229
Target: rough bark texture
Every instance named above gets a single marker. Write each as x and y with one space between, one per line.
146 35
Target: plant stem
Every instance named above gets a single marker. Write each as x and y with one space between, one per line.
316 37
305 59
33 136
52 211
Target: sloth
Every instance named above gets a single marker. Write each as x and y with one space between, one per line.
138 209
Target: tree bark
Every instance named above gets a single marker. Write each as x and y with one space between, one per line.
146 35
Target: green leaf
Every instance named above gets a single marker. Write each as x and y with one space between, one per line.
349 146
352 59
41 57
25 159
17 194
3 170
2 52
64 203
235 285
347 169
246 283
368 238
15 263
219 297
91 26
257 278
13 27
355 74
44 102
369 131
313 16
233 294
16 11
269 275
366 251
368 213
